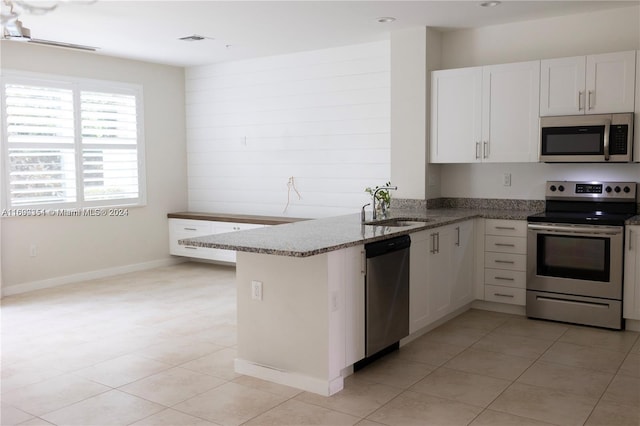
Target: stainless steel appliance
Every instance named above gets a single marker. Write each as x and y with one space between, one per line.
575 253
387 293
587 138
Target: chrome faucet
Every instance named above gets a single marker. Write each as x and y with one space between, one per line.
363 214
374 217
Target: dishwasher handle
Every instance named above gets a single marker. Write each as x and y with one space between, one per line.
383 247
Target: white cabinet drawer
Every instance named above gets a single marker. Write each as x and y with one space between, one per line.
514 296
504 277
186 228
513 262
500 244
180 229
224 227
192 251
509 228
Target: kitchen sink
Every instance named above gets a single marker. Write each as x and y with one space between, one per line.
398 221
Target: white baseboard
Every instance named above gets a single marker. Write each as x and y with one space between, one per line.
632 325
295 380
85 276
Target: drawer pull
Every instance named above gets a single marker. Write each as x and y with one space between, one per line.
503 295
190 229
506 228
504 278
504 245
191 247
510 262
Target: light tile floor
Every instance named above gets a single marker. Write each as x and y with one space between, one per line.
157 347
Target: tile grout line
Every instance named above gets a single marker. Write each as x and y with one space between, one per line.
515 380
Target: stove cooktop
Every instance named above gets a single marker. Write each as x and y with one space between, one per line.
585 218
588 203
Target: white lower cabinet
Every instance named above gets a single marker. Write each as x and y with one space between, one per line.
631 304
505 261
180 229
441 276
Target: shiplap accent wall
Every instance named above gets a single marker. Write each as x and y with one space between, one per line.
321 117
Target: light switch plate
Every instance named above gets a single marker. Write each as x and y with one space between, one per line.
256 290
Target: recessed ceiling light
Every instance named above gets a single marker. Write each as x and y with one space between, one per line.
490 3
386 19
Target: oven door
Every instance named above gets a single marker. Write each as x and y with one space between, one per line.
579 260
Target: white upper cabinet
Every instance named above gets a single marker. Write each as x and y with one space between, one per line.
456 115
510 112
562 86
485 114
595 84
611 82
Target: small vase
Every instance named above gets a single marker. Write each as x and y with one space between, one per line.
382 208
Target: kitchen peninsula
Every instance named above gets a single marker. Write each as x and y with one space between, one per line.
301 293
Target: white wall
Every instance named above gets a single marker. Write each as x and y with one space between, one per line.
590 33
73 248
321 117
582 34
414 52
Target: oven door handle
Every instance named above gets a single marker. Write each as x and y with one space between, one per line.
576 229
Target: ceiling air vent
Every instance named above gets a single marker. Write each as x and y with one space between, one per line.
194 37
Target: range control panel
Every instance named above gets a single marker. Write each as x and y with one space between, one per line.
590 190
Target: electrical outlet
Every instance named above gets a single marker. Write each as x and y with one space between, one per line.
33 250
506 179
256 290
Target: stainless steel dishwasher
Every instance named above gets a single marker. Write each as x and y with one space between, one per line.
387 294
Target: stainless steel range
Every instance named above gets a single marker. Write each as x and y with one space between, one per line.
575 253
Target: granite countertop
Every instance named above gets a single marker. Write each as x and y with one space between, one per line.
633 221
312 237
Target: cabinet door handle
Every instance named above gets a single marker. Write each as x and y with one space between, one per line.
580 100
458 240
485 149
435 243
630 239
477 150
506 228
607 126
504 278
503 295
363 263
510 262
590 97
504 245
190 229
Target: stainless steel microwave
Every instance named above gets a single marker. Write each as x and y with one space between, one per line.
598 138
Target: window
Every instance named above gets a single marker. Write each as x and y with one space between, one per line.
71 143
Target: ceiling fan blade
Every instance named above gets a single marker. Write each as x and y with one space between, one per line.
62 44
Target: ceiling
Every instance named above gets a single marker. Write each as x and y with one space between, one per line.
149 30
